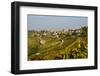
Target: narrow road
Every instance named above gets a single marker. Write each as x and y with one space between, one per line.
72 44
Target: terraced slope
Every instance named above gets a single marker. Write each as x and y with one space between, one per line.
51 48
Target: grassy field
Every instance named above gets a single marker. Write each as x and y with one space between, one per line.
47 45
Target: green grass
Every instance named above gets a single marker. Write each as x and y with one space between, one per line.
73 47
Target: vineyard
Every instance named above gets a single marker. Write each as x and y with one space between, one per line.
54 45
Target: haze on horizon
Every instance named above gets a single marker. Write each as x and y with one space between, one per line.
47 22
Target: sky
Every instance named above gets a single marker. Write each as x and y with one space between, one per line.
47 22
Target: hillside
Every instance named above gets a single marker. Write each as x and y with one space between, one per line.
46 45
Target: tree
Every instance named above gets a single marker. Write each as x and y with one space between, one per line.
84 30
